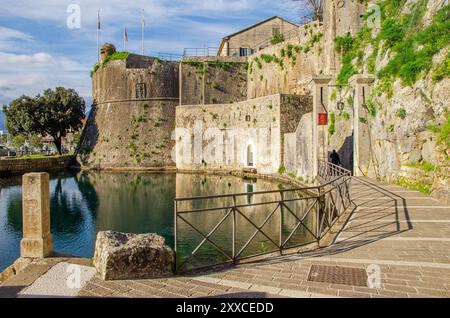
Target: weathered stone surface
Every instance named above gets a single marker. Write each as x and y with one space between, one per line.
132 256
37 239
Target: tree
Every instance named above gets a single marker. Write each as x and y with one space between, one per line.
35 142
314 9
55 113
18 141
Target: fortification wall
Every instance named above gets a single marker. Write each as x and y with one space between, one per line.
287 67
133 115
217 80
258 123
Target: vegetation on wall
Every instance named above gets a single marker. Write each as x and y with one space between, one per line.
411 46
112 57
288 53
277 38
332 125
443 135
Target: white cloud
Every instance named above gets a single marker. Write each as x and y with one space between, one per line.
9 34
33 73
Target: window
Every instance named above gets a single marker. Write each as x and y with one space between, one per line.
141 91
245 51
276 31
247 118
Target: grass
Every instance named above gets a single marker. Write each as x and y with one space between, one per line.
423 165
112 57
38 156
414 185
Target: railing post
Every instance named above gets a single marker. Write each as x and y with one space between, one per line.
175 228
318 215
233 248
281 222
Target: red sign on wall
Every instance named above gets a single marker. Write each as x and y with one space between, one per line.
322 120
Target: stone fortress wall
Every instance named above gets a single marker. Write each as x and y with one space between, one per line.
133 114
287 67
260 124
213 80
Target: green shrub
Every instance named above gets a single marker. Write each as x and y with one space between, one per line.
332 126
442 132
282 170
401 113
344 43
442 71
345 115
277 38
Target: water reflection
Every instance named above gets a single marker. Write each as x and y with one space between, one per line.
84 203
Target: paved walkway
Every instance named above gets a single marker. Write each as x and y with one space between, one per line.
404 233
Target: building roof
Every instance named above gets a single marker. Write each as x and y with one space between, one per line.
251 27
259 23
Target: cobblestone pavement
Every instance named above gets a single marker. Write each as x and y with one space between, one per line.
405 233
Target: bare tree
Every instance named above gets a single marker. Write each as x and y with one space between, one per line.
313 9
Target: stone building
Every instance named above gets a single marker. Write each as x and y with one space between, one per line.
249 40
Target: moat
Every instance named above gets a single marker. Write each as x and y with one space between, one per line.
84 203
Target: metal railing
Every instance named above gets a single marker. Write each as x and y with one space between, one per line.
170 57
201 52
246 225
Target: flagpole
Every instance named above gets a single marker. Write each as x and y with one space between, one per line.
124 40
142 32
98 37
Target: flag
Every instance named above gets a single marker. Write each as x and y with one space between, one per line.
125 35
98 20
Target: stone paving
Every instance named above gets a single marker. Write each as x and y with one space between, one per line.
405 233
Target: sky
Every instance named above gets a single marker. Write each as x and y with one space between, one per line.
38 50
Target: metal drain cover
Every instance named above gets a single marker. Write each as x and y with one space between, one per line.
338 275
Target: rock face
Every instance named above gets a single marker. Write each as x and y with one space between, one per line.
132 256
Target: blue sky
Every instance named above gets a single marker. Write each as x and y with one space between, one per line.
39 51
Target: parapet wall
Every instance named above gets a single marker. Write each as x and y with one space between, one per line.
136 77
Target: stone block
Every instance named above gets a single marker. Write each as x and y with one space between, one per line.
132 256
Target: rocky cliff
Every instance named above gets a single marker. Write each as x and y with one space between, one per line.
408 105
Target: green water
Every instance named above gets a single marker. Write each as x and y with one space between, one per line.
84 203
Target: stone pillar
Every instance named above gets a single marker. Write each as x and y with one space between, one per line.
361 137
37 240
320 133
